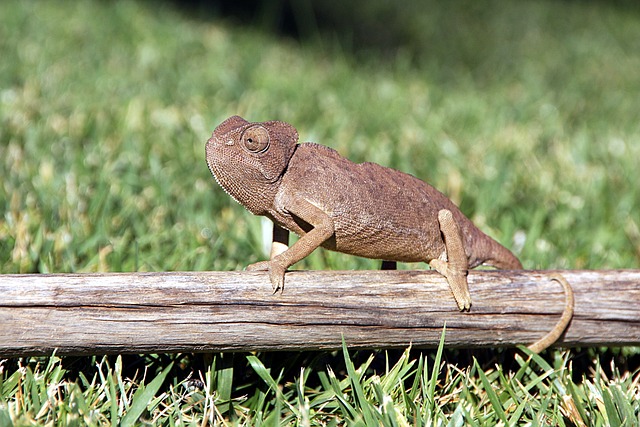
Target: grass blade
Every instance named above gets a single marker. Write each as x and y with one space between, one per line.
347 408
433 381
224 376
612 412
143 397
622 402
5 418
356 385
263 373
491 394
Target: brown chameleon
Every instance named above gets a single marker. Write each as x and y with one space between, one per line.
362 209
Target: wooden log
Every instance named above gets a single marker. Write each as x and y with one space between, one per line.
237 311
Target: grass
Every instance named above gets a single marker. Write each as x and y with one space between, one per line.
523 113
418 390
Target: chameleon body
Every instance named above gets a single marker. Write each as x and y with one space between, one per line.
360 209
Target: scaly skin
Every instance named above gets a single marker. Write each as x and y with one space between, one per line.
360 209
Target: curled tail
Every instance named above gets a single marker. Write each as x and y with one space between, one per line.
562 324
494 254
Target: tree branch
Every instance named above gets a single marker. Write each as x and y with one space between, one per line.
236 311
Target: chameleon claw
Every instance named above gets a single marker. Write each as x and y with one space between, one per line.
276 273
464 305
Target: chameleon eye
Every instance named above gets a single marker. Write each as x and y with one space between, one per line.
256 139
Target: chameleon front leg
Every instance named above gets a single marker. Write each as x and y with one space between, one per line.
323 229
455 268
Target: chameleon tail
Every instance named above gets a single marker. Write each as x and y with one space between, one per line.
494 254
562 324
505 261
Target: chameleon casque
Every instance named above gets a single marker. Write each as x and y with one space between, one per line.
361 209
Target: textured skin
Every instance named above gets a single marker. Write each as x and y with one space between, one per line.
361 209
377 212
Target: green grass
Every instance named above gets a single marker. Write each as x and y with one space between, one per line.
403 390
526 114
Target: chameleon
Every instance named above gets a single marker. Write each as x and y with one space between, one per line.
362 209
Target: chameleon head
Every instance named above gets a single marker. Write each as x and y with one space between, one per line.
247 159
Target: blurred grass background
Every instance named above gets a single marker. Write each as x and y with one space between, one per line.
527 114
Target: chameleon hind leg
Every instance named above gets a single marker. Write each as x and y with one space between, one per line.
455 268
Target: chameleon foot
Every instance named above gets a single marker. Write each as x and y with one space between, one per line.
276 273
460 290
455 267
